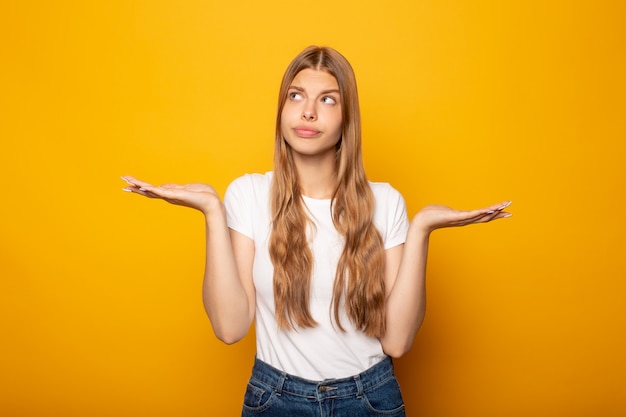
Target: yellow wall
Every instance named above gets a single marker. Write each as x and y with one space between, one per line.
464 103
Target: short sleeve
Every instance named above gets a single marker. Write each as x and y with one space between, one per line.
399 221
238 203
390 215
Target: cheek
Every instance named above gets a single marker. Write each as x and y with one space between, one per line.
337 123
284 120
289 113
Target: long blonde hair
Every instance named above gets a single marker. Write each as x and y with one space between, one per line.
359 280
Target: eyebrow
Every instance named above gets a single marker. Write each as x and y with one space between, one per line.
295 87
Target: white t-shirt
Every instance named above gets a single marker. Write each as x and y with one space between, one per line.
324 351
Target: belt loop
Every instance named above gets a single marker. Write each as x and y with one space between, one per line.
279 384
359 386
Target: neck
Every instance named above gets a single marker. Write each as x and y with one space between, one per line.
317 177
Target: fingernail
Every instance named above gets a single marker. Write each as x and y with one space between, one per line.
505 206
127 182
142 189
507 215
490 212
128 190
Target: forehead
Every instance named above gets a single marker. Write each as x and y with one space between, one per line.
312 79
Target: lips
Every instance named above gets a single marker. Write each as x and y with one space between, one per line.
306 132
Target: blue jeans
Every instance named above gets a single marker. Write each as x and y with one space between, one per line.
274 393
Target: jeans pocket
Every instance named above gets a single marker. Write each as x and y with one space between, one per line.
258 396
385 399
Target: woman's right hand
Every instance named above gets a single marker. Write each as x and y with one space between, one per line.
201 197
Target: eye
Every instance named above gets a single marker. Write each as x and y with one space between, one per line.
294 95
329 100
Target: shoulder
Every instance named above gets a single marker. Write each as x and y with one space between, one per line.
389 203
251 184
249 189
246 201
252 180
390 216
384 191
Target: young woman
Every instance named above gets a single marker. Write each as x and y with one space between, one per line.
324 261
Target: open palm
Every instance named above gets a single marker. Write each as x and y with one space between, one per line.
434 217
201 197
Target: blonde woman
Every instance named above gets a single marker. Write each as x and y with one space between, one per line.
325 262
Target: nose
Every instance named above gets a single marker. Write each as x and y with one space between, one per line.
309 114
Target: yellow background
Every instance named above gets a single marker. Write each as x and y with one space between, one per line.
465 103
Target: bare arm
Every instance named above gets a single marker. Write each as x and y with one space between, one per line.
228 291
405 274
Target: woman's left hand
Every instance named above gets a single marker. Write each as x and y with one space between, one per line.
435 217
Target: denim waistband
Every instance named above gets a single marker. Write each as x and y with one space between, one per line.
349 386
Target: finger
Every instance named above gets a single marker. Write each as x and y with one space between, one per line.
502 215
140 191
158 192
483 215
135 182
505 205
480 216
497 207
495 216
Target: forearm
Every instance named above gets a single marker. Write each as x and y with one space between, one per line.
406 300
228 291
225 299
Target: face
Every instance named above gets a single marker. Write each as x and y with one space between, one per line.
311 116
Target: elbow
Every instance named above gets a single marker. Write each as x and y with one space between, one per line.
228 330
398 345
397 350
229 337
228 333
